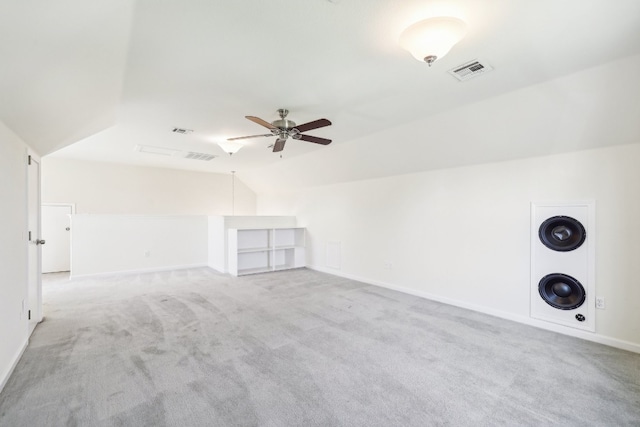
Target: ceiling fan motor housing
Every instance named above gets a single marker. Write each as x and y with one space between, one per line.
284 124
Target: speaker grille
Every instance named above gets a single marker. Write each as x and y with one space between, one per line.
562 233
561 291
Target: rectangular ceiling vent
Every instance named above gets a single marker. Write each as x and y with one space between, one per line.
149 149
199 156
182 131
470 69
156 150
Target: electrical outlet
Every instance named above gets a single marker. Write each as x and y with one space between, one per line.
147 254
388 265
600 303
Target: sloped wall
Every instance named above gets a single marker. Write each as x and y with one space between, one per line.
462 235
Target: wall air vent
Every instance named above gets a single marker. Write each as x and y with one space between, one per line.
470 69
170 152
182 131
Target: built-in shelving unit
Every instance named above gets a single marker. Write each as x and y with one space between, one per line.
267 249
218 235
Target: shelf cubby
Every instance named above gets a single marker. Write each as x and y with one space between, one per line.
254 251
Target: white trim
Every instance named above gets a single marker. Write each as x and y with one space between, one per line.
73 206
5 379
137 271
588 336
136 216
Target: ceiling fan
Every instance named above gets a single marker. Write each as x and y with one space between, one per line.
285 129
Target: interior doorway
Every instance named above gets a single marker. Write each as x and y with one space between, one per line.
56 230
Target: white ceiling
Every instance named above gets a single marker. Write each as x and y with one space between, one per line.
91 80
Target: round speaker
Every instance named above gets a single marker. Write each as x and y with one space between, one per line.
561 291
562 233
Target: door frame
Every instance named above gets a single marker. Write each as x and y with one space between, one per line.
73 211
73 205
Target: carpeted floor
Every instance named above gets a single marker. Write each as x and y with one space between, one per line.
300 348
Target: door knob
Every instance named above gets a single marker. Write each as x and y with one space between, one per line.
40 242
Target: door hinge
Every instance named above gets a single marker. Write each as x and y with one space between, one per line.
29 314
29 159
29 236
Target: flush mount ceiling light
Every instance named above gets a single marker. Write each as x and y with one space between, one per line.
230 147
431 39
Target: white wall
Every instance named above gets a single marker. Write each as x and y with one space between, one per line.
108 188
128 243
462 235
13 250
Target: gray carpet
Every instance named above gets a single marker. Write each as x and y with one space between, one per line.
300 348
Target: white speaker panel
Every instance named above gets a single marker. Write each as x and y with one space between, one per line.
577 263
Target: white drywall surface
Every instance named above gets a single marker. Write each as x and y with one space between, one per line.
128 243
109 188
13 251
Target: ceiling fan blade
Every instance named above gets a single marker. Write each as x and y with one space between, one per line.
261 122
279 145
315 139
247 137
320 123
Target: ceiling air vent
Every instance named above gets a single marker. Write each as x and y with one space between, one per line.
199 156
182 131
149 149
157 150
470 69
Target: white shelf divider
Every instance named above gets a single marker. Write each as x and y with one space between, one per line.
262 250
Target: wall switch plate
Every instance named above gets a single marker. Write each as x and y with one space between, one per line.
600 303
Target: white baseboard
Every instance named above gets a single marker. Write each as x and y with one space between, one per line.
136 271
588 336
18 356
217 268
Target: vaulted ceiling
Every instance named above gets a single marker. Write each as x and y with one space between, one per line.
91 80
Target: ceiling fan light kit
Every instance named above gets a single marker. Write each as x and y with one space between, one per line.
284 129
431 39
230 147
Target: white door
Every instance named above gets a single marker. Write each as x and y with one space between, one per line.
34 295
56 231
